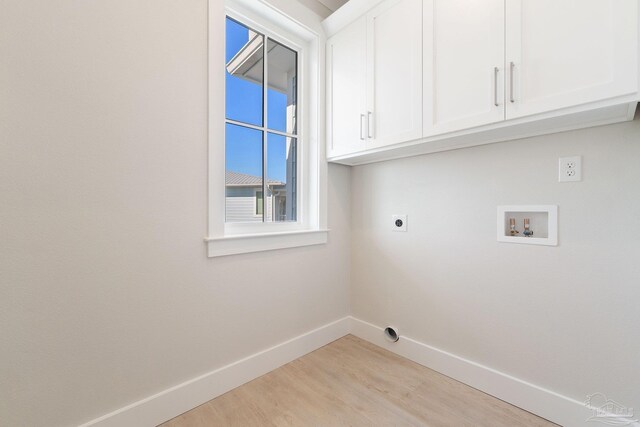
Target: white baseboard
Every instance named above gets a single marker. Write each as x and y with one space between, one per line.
178 399
538 400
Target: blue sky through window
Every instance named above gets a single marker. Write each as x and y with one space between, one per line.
244 104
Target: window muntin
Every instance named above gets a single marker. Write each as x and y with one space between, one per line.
272 169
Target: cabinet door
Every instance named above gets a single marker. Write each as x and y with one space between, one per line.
394 78
346 90
564 53
463 64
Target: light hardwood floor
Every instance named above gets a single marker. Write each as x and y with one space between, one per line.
351 382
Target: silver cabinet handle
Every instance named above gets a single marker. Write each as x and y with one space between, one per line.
361 127
369 121
511 67
495 86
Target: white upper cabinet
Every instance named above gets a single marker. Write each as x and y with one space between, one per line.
569 52
394 77
463 64
409 77
346 90
374 79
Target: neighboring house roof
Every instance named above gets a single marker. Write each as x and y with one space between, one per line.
237 179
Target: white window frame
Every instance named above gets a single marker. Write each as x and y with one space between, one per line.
310 227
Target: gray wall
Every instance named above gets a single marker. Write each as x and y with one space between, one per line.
106 293
565 318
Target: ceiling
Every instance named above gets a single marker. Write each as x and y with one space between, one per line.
323 8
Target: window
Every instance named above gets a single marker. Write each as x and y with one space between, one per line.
259 203
261 126
267 170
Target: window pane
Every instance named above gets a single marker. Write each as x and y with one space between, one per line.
245 73
282 177
243 173
282 94
259 203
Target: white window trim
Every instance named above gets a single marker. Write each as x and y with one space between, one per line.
310 229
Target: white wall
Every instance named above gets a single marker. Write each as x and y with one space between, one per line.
565 318
106 293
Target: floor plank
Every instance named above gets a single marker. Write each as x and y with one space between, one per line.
351 382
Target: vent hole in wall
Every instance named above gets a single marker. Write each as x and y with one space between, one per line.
391 334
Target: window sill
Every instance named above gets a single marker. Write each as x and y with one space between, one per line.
247 243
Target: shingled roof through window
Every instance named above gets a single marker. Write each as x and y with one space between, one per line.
244 180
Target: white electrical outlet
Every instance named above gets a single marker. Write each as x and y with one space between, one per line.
570 169
399 222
